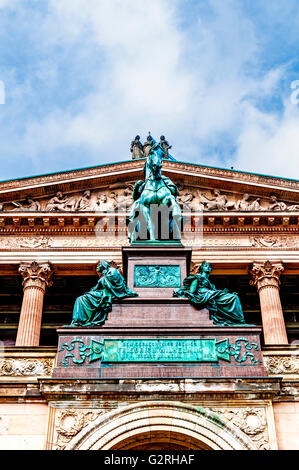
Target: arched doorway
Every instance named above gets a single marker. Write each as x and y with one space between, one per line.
160 440
160 425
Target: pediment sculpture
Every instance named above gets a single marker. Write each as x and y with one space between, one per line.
121 199
60 203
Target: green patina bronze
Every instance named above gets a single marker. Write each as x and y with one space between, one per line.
155 215
211 416
93 351
157 275
92 308
158 350
235 350
224 307
165 350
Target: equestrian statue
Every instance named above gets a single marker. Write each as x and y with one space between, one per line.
155 214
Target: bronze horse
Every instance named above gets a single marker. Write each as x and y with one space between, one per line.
157 194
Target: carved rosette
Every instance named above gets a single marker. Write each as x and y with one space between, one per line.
285 365
70 422
26 367
252 421
36 275
266 274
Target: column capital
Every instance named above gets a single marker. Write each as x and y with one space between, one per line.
266 274
36 274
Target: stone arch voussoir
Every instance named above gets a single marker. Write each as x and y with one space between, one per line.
193 423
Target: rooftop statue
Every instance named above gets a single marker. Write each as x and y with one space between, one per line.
164 146
92 308
148 144
224 307
136 148
156 194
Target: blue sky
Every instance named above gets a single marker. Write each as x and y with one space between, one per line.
83 77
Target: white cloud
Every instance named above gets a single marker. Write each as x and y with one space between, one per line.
270 144
199 84
142 85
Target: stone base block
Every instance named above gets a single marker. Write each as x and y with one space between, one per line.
155 271
159 352
156 311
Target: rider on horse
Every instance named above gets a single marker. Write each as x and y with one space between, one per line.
157 191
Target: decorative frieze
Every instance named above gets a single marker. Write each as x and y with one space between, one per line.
115 199
281 364
26 242
274 241
12 367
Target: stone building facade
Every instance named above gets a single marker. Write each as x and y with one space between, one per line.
55 228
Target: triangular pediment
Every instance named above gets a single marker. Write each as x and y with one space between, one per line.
109 187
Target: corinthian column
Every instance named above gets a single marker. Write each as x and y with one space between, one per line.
36 277
265 276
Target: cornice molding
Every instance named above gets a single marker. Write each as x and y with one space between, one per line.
88 223
133 166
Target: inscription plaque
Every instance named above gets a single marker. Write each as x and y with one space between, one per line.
166 350
158 350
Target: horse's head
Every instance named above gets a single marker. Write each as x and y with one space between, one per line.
154 161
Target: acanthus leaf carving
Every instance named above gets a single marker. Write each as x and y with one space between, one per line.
286 365
70 422
36 274
26 367
267 273
252 421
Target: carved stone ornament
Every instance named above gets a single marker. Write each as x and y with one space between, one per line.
118 196
285 365
26 242
252 421
36 275
272 241
70 422
26 367
266 274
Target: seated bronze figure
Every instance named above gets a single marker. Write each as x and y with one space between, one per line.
224 307
92 308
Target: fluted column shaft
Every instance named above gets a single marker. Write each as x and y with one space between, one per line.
36 278
265 276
